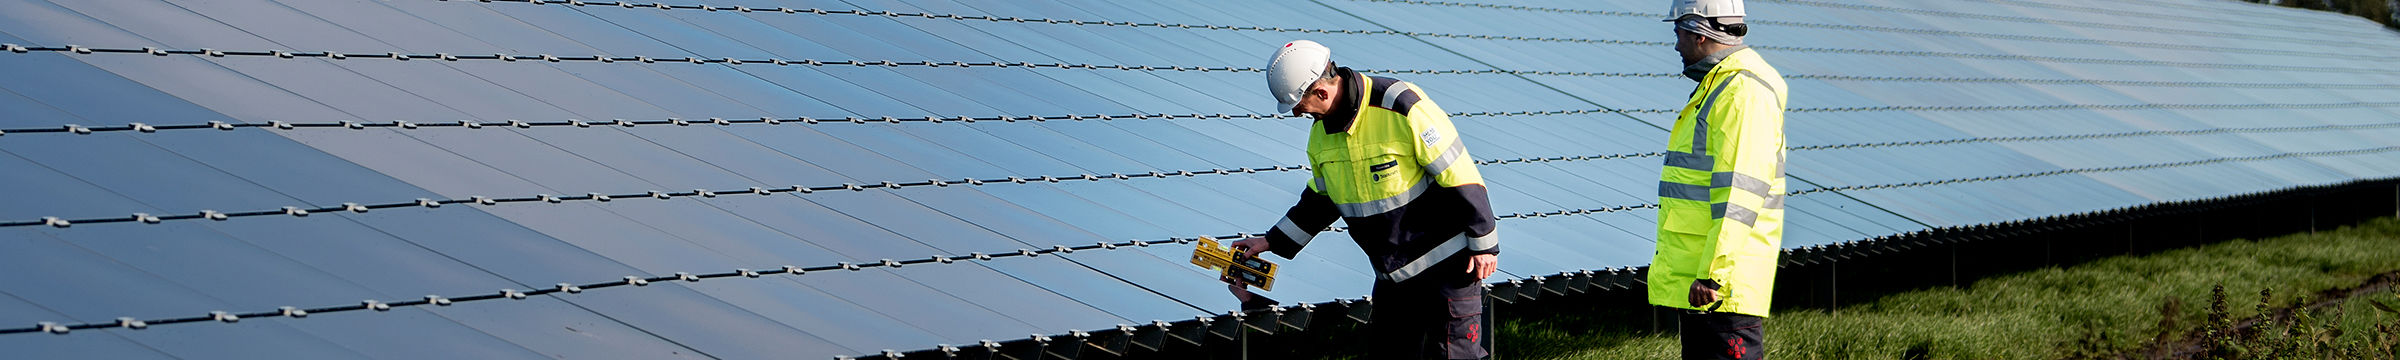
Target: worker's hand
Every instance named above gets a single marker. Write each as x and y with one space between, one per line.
1251 246
1240 292
1702 295
1482 265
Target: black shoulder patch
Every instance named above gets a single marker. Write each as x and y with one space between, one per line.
1377 86
1381 94
1403 101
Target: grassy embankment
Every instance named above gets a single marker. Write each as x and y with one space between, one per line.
2101 309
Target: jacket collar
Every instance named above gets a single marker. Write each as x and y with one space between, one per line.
1699 71
1345 108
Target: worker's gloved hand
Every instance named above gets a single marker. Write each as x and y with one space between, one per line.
1704 292
1250 301
1251 246
1482 265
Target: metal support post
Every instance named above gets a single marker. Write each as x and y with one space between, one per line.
2131 235
1491 344
1833 287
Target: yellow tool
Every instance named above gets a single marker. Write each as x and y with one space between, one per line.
1234 266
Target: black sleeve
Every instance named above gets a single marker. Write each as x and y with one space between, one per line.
1481 225
1258 302
1301 224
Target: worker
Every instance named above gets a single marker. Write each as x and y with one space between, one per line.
1720 213
1387 161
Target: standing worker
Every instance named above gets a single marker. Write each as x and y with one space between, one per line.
1387 161
1720 214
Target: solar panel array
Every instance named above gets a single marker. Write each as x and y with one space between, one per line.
776 178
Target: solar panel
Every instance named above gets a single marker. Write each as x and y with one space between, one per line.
753 178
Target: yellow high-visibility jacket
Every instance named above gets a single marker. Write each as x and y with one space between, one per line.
1388 162
1720 215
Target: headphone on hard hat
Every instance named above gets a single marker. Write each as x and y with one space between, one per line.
1735 29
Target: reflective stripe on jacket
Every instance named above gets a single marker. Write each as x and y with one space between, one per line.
1389 163
1720 215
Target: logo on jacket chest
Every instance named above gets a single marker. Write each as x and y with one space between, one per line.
1378 169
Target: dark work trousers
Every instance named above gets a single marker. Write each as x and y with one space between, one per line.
1723 335
1436 315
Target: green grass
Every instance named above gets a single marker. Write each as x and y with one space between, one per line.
2109 306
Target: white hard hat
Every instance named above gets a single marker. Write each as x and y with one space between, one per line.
1295 66
1706 8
